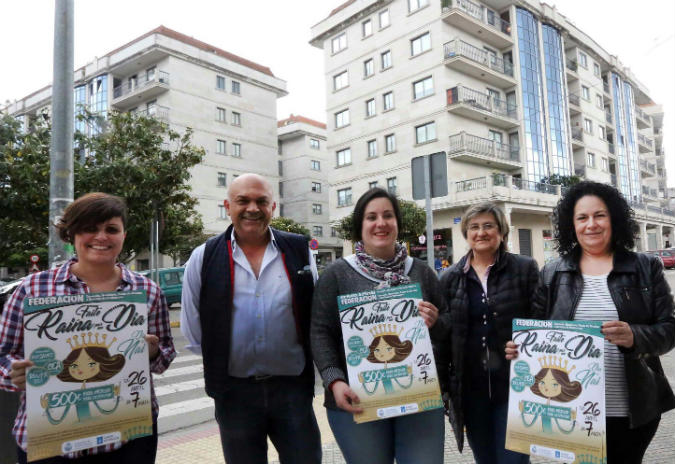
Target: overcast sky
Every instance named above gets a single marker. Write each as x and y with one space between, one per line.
276 34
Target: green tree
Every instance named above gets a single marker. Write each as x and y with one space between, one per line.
413 219
289 225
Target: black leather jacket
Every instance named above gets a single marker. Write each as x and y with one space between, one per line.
642 298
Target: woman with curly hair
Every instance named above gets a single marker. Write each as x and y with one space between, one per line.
598 277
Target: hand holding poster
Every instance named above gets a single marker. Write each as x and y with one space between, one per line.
390 361
557 391
89 385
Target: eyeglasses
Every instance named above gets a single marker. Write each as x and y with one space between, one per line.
487 227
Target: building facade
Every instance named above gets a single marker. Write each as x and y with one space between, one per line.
228 101
304 172
513 92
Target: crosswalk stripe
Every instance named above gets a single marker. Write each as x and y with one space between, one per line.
186 358
184 407
179 387
198 368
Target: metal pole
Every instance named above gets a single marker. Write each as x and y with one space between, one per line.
430 214
61 149
152 249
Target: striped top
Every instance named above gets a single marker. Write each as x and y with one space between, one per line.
596 304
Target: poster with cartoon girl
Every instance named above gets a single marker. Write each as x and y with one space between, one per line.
89 383
557 391
390 361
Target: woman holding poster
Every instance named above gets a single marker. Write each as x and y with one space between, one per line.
599 278
484 291
95 224
379 263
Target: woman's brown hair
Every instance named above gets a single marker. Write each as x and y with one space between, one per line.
402 349
88 211
109 365
569 390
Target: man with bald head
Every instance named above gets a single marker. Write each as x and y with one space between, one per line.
246 305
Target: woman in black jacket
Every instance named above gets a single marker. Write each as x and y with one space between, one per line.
485 290
597 277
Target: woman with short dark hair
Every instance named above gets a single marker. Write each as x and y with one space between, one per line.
379 262
96 225
484 291
598 277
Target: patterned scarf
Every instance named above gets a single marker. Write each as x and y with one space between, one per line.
391 271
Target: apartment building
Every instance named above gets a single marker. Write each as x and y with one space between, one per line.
513 92
304 172
228 101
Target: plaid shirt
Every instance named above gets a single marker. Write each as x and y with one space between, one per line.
61 281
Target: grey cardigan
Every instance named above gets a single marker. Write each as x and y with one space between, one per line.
326 333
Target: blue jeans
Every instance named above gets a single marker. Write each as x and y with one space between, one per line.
486 431
411 439
278 407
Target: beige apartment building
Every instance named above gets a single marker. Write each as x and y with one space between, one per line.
512 92
228 101
304 171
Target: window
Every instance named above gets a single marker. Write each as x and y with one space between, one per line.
236 88
590 158
601 130
281 189
588 126
317 231
389 143
339 43
222 212
596 69
150 74
585 93
384 18
315 165
316 208
425 133
222 179
414 5
316 187
423 88
598 101
605 164
420 44
280 166
583 60
220 114
344 197
368 67
220 82
494 135
236 150
236 118
372 185
342 118
372 148
341 80
386 59
344 157
220 147
391 185
370 107
281 210
367 28
388 101
333 232
314 143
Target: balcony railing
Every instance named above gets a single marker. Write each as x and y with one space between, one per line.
481 101
641 114
649 167
478 183
574 99
158 112
610 147
608 117
460 48
531 186
645 140
572 65
486 147
480 13
578 134
160 77
613 179
580 170
605 86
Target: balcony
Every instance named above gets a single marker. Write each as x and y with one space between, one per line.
575 107
579 170
577 138
647 169
608 117
482 107
479 21
160 113
613 179
610 148
145 87
465 58
499 187
645 145
605 88
478 150
643 120
571 70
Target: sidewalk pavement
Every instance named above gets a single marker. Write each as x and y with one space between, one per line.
203 441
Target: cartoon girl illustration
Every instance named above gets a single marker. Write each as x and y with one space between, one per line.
385 348
553 383
88 361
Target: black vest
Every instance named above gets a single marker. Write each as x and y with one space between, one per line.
217 293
